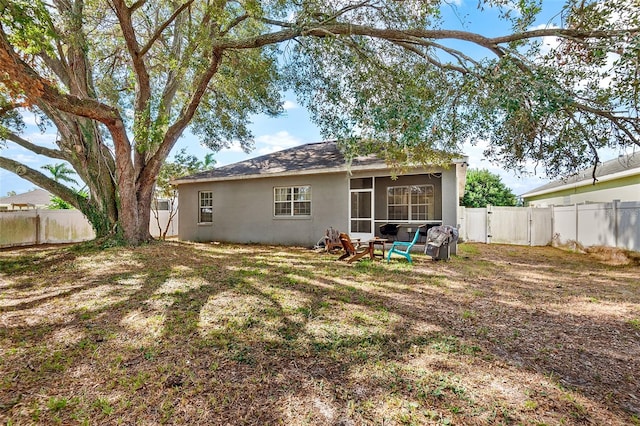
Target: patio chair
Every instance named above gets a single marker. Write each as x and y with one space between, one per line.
423 231
389 230
351 252
332 239
404 248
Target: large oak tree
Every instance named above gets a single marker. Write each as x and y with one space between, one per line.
122 80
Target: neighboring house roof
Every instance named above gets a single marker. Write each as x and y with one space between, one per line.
317 157
623 166
38 197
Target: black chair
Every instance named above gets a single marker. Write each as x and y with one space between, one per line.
389 230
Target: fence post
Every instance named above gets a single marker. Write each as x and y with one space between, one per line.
488 222
577 236
553 223
616 225
530 227
38 227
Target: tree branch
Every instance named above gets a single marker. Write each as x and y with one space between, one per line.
462 69
137 5
613 119
163 27
143 94
187 113
40 150
574 34
21 79
418 36
41 180
237 21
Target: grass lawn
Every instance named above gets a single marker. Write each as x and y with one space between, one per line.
183 333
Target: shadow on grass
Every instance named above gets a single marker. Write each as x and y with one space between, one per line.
263 335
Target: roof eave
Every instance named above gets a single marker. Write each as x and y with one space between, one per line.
345 168
584 182
279 174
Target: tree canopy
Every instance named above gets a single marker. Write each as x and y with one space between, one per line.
484 188
122 80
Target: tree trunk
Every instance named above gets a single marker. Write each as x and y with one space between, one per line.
135 210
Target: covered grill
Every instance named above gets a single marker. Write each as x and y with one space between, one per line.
439 240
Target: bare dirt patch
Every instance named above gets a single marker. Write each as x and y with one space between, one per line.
226 334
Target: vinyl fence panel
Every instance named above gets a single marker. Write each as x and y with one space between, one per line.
163 218
541 226
603 224
565 226
596 225
508 225
18 228
29 227
628 225
64 226
476 225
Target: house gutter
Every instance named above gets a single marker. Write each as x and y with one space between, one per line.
585 182
274 174
375 167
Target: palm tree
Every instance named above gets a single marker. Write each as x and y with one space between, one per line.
209 162
61 172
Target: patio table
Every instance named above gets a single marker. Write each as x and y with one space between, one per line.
372 247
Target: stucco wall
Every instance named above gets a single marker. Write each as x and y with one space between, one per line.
243 210
450 196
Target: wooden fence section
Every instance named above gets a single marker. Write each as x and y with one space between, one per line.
615 224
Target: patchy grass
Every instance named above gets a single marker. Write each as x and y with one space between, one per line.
184 333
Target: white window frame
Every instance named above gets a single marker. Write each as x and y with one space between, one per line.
291 201
208 204
409 205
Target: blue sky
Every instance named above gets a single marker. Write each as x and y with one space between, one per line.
294 127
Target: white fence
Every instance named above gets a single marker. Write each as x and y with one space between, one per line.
43 227
163 218
615 224
29 227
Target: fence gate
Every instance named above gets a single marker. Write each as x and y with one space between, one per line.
508 225
476 225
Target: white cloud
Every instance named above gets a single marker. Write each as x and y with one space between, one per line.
282 138
25 158
549 43
29 118
288 105
267 144
234 147
38 138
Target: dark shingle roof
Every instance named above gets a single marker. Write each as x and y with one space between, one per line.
312 157
621 164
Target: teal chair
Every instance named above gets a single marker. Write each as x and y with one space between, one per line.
403 248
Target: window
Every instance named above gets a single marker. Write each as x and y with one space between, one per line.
206 207
161 205
292 201
414 202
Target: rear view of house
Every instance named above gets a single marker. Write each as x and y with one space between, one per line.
292 196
